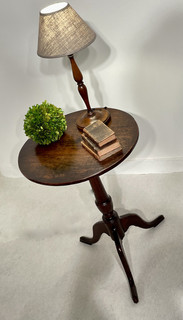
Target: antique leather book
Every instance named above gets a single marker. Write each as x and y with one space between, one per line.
104 156
110 146
99 133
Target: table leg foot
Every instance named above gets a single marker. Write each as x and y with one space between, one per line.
98 229
125 264
132 219
115 227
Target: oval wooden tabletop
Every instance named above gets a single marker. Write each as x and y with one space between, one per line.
66 162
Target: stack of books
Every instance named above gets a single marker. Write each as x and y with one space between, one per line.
100 140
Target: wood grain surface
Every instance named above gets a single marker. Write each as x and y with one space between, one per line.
66 162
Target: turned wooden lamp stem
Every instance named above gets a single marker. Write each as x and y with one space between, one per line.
90 115
78 77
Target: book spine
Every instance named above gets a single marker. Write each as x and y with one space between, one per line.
91 144
90 150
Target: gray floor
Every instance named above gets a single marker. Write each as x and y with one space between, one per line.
46 273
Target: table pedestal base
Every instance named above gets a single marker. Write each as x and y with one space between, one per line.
115 227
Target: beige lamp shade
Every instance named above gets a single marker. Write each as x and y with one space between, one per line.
62 31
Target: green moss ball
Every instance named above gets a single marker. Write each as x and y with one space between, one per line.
44 123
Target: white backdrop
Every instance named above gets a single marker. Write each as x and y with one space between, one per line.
135 64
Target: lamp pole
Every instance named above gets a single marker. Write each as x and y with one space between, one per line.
78 77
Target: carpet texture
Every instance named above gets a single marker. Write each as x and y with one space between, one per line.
46 273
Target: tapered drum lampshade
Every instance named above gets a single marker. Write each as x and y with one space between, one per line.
62 32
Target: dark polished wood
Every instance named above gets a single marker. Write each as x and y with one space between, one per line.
85 120
115 227
66 161
87 117
78 77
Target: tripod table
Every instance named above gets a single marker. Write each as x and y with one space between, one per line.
66 162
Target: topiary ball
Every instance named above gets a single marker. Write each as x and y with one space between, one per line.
44 123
